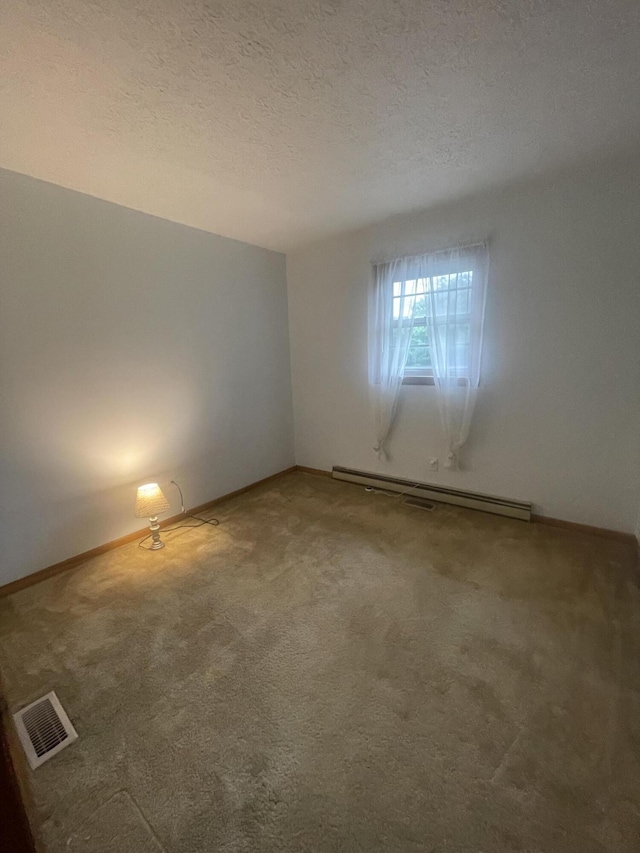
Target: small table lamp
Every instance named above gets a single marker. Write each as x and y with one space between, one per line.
150 501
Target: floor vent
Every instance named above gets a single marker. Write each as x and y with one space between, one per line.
439 494
44 729
419 503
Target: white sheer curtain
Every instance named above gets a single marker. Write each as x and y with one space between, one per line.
390 327
456 284
447 289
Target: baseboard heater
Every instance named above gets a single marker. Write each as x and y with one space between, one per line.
440 494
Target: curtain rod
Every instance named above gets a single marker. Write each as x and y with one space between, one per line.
465 248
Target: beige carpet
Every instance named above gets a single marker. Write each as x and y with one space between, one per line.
329 670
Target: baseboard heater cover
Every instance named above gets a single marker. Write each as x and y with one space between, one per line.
440 494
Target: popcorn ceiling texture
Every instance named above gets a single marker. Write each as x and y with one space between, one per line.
279 122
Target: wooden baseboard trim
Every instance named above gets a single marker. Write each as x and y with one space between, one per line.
304 470
538 519
79 559
68 564
603 532
237 492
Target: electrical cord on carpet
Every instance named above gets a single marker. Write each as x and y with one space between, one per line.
214 522
388 494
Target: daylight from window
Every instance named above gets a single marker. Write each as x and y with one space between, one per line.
451 294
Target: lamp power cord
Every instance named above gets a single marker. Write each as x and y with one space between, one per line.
390 494
214 522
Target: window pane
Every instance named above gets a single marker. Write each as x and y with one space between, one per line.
449 294
419 336
457 357
463 301
440 282
463 333
408 306
451 281
461 357
441 302
418 357
403 307
420 308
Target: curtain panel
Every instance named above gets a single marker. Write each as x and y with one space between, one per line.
446 292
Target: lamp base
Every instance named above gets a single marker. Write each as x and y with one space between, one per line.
157 543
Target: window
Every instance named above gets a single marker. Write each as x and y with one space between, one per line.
450 294
425 325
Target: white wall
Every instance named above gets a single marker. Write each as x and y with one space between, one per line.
131 348
558 417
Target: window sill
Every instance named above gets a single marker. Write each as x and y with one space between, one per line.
418 380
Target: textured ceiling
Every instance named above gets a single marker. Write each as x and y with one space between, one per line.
280 121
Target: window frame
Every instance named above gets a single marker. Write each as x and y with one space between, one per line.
418 375
425 375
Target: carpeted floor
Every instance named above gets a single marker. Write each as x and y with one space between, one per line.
330 670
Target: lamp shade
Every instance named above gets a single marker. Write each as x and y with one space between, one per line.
150 501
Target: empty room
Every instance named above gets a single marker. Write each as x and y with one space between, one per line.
320 405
